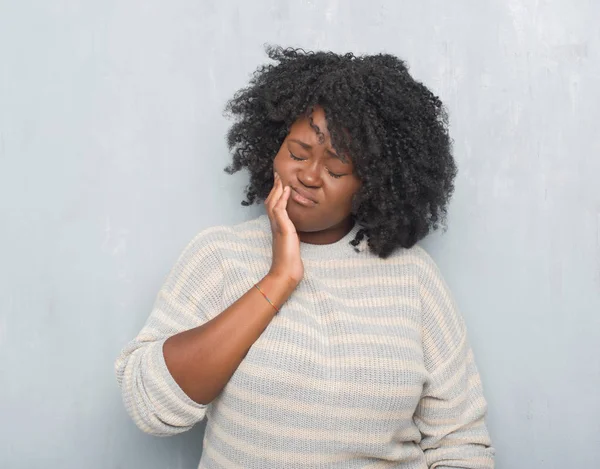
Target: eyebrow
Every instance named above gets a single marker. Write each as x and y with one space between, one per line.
306 146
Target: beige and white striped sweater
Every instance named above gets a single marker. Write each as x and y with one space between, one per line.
367 365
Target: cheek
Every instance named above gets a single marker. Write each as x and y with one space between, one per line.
342 196
279 163
347 193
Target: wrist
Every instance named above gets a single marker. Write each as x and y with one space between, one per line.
277 287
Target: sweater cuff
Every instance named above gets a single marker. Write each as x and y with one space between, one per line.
171 404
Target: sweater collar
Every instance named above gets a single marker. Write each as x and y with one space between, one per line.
340 249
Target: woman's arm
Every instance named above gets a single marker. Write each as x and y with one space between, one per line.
189 348
452 410
203 359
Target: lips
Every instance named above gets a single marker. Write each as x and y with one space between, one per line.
305 194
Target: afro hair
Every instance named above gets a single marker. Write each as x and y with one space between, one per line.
393 127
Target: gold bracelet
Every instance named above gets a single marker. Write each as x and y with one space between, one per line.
266 297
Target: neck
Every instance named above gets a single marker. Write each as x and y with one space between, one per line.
328 236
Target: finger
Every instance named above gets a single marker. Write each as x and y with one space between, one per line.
280 212
270 196
280 205
285 195
277 191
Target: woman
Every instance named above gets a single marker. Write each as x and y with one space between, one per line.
319 334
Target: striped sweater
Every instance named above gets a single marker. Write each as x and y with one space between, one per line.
367 364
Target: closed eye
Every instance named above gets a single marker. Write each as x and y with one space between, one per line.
333 175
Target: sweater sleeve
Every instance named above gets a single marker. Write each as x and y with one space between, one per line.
190 296
452 410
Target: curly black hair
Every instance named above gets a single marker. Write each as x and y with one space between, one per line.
394 128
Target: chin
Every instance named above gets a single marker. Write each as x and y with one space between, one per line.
305 222
309 222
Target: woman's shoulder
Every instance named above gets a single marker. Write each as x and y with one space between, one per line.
416 254
231 236
417 260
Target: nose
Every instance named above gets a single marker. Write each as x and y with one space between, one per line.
310 175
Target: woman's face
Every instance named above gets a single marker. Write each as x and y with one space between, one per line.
322 184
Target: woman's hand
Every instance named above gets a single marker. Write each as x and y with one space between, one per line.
286 262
